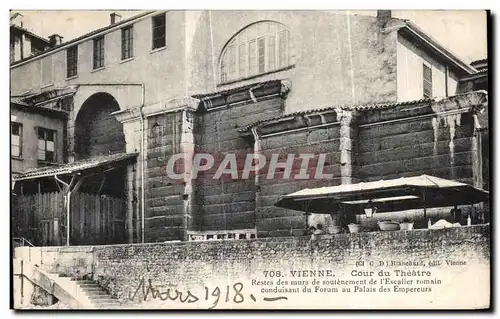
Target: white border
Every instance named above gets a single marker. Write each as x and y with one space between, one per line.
151 4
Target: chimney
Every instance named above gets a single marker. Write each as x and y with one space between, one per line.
115 18
382 17
17 20
55 39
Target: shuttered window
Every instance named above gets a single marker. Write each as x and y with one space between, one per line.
159 31
72 62
257 49
127 42
427 80
46 145
98 52
16 139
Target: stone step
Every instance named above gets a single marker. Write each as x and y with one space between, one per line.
91 289
82 282
98 295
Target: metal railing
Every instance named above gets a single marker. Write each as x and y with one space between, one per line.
21 242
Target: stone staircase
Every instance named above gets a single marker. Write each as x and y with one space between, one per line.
97 296
88 292
29 272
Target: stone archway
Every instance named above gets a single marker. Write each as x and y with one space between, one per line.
97 132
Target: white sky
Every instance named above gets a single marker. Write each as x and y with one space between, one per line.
462 32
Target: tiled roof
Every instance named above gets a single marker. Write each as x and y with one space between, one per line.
436 45
18 100
481 61
235 89
77 166
34 101
360 107
31 34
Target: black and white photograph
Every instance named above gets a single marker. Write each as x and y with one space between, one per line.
282 159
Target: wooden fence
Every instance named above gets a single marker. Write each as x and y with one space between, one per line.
94 219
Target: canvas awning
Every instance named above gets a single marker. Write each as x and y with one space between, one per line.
91 165
388 195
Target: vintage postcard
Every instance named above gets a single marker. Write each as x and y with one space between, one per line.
230 159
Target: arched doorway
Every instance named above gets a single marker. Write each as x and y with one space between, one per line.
97 132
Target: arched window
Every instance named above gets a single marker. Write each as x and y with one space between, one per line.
259 48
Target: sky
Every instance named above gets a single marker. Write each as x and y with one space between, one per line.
462 32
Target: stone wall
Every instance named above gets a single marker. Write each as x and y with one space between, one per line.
164 202
228 203
275 221
413 140
193 265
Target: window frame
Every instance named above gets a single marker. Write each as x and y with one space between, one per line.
98 53
20 129
266 49
425 81
162 27
127 42
72 62
54 155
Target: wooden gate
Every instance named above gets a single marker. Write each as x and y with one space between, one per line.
94 219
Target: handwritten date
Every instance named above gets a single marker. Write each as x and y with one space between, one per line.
233 293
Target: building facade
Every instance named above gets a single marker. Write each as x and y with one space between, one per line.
37 136
183 82
24 43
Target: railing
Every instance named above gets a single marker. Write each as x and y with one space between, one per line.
21 242
222 234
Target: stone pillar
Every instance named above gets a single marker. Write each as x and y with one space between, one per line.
186 146
187 149
477 155
345 145
133 132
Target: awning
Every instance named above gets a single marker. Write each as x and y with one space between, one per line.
388 195
96 163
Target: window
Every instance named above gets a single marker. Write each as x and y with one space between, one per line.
127 42
16 139
159 28
271 62
12 49
252 68
242 59
427 80
283 48
262 55
34 49
259 48
231 62
46 145
98 52
72 62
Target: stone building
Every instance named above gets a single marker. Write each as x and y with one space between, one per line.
24 43
378 96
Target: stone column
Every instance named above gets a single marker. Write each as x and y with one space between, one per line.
345 117
187 107
477 156
187 149
133 132
345 145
